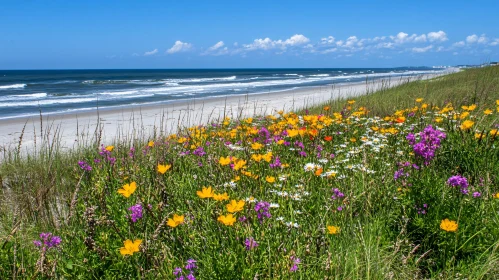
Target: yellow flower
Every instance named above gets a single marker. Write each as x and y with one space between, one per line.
466 125
256 146
221 197
493 132
351 102
488 112
150 144
130 247
177 220
128 189
227 220
464 115
479 136
256 157
109 148
163 168
235 206
267 157
270 179
239 164
248 120
333 229
438 120
224 161
448 225
292 132
205 192
496 195
419 100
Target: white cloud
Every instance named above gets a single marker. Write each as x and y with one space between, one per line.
217 49
439 36
350 42
495 42
385 45
155 51
459 44
421 38
482 39
296 39
327 40
267 43
216 46
472 39
402 37
422 50
179 46
329 50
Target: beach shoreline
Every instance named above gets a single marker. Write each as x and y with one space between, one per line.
145 121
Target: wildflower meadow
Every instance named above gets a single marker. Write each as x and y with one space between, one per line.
339 191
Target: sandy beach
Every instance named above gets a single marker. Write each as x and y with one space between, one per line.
143 122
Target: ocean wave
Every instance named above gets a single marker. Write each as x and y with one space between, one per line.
198 80
13 86
126 92
320 75
46 102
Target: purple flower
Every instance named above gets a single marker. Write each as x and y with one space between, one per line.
250 243
262 210
299 145
302 153
296 261
457 180
337 194
243 219
47 241
476 194
191 264
199 151
136 212
85 166
429 143
132 152
276 163
339 208
400 173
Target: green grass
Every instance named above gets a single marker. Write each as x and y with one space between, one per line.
383 232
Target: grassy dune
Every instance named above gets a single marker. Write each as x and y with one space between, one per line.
397 184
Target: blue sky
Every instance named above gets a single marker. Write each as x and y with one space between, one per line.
238 34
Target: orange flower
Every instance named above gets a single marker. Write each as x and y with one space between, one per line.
128 189
177 220
163 168
448 225
205 192
328 138
318 172
109 148
270 179
221 197
130 247
333 229
235 206
227 220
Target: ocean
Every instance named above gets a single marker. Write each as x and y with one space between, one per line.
27 92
